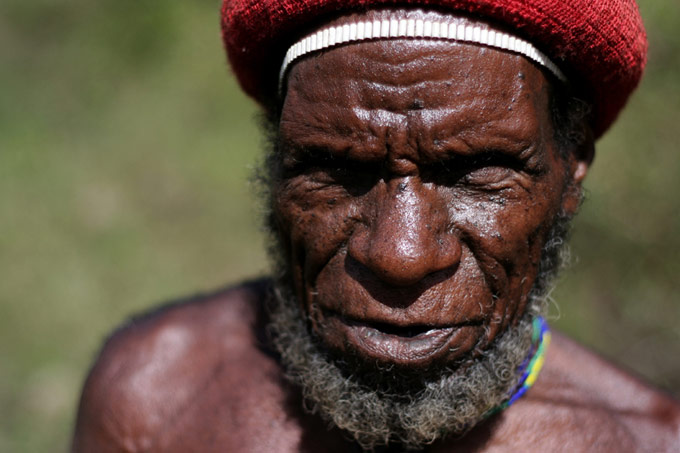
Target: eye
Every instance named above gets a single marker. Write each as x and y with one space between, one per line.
488 176
492 170
355 177
326 171
488 170
299 163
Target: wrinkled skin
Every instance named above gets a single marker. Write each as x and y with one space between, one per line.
419 185
418 199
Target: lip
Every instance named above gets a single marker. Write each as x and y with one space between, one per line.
414 345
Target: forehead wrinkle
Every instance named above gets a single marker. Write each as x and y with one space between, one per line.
395 62
459 129
353 97
508 130
462 129
445 117
336 129
402 97
473 125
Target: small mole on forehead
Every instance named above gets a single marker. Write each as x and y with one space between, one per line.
417 104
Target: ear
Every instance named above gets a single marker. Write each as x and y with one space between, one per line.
578 163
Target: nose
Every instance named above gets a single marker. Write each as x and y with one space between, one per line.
405 238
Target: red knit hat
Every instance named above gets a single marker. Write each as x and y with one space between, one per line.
599 44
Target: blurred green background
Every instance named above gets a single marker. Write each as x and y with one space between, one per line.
125 155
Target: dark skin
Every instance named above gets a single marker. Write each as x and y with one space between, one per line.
412 199
435 193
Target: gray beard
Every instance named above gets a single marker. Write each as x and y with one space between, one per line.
378 415
384 406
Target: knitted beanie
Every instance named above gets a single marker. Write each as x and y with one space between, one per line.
600 45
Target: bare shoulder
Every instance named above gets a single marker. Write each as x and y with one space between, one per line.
614 388
167 372
582 402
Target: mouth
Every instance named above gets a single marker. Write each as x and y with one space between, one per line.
411 331
410 345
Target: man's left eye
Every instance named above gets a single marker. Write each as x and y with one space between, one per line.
493 168
491 177
486 171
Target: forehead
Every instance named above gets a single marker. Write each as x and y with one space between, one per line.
436 90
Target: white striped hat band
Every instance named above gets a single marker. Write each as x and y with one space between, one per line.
453 30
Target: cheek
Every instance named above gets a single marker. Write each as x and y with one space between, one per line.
511 230
506 236
313 228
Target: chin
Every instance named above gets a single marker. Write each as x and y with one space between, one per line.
380 403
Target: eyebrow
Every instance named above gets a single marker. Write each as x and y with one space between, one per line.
445 129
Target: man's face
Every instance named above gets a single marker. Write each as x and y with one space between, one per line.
420 181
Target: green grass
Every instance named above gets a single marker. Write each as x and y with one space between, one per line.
125 155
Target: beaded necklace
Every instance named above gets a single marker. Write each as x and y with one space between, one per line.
531 366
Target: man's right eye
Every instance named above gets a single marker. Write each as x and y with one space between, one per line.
356 178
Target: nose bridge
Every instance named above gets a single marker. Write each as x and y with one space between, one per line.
401 222
405 238
401 142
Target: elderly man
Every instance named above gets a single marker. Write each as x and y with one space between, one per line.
425 161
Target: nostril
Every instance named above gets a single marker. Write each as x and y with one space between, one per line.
405 264
399 268
404 238
386 291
